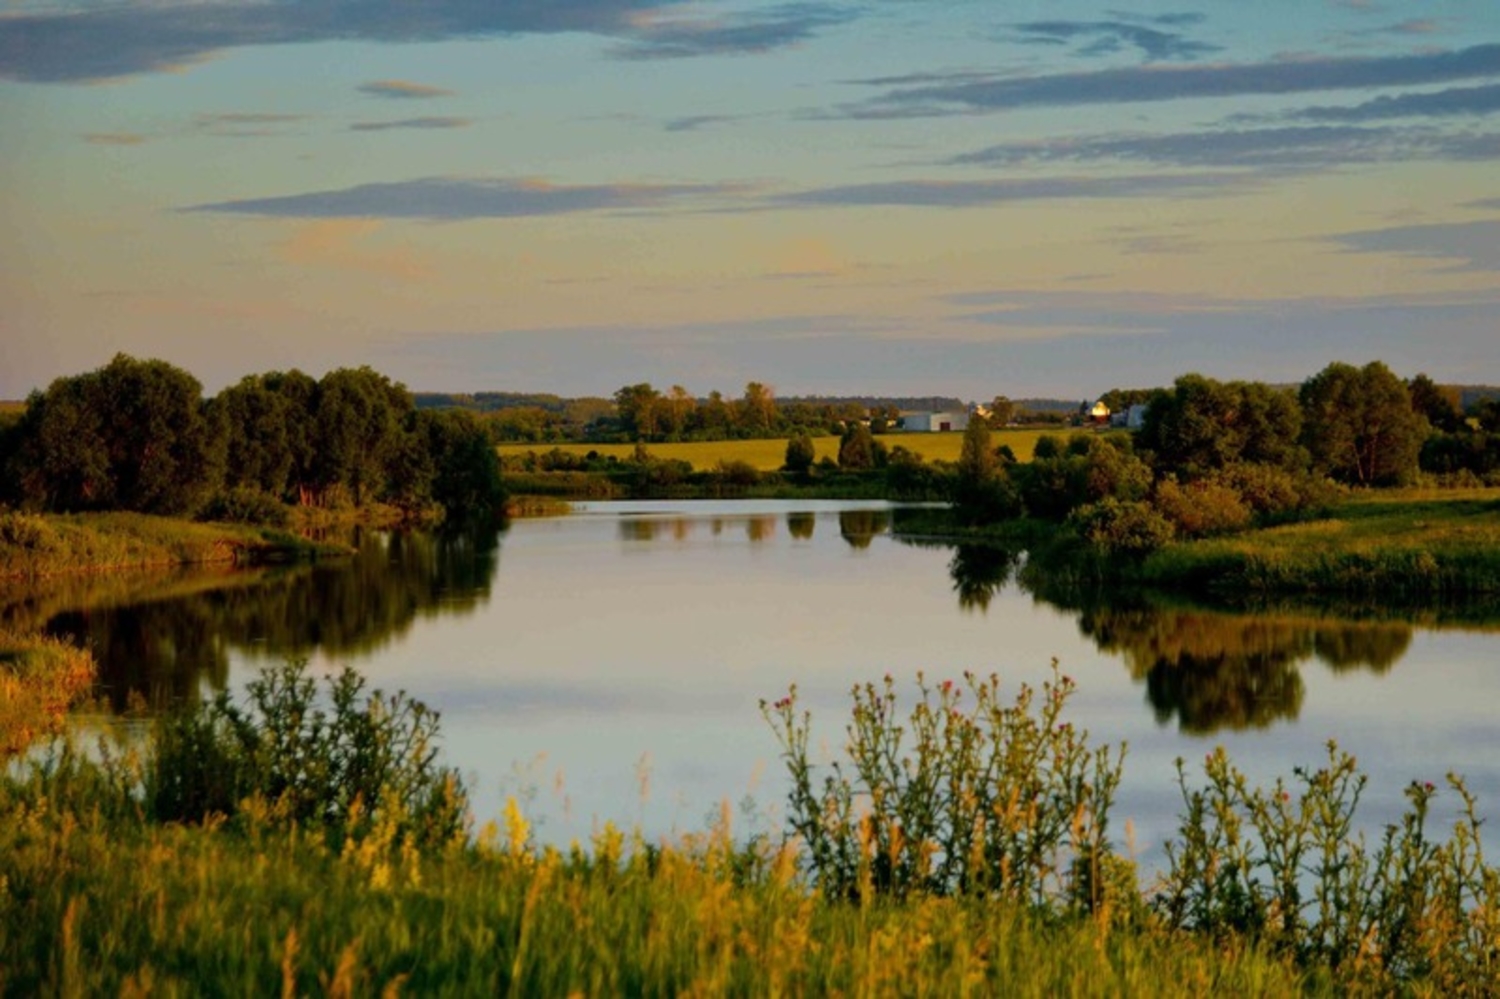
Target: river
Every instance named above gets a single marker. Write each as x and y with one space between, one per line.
608 664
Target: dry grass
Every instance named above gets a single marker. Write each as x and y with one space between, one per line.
40 678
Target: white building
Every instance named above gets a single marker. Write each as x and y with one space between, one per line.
933 423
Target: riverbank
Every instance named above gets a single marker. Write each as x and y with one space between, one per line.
1395 544
40 678
33 545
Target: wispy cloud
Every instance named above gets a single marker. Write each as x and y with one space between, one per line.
1438 104
450 199
1283 148
114 138
692 123
1096 38
119 40
115 40
244 124
427 122
966 94
403 90
662 36
972 193
1468 246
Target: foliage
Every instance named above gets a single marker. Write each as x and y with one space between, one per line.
246 505
1202 508
1202 425
1130 528
1288 869
1360 427
857 449
40 678
132 435
800 455
988 799
368 760
1087 468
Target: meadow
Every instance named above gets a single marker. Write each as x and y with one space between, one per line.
768 455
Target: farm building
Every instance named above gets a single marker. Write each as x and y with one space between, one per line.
932 423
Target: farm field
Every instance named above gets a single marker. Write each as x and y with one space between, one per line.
767 455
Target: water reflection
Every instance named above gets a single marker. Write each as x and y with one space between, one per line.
168 648
1206 668
859 527
801 525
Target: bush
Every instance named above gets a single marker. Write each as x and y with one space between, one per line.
244 505
371 761
1202 508
988 799
1114 528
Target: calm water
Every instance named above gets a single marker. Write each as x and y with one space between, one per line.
609 664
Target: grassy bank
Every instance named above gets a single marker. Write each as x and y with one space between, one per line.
768 455
40 678
41 545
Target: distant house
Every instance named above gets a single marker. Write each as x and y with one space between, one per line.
1099 414
933 423
1130 419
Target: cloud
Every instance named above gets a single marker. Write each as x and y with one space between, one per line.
966 94
973 193
1443 103
114 138
337 243
244 124
1109 37
692 123
428 122
660 37
117 40
450 199
1470 246
1281 148
402 90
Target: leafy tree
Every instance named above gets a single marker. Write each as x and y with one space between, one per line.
1359 424
757 410
679 406
1002 411
641 411
800 454
360 414
464 476
981 488
857 449
1439 403
132 435
1202 425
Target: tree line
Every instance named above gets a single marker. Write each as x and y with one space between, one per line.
1214 457
139 435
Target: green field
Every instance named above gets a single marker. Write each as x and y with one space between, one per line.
767 455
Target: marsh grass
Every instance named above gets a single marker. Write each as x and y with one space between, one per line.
38 545
40 678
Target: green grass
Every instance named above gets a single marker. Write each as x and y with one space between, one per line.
1399 544
38 545
40 678
767 455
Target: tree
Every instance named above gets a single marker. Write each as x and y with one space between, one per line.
1002 411
757 410
1201 425
360 414
1359 425
640 411
857 449
679 412
132 435
462 471
800 454
1439 403
981 488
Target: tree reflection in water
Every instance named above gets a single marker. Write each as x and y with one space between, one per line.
1208 668
859 527
167 650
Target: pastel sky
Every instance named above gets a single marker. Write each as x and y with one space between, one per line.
892 196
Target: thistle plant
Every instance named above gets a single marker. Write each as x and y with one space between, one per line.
971 795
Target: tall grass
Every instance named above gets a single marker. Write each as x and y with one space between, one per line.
1269 891
38 545
40 678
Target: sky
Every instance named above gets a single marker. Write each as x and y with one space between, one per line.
898 197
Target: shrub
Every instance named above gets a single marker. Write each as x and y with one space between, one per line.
987 799
244 505
1114 528
1202 508
372 760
